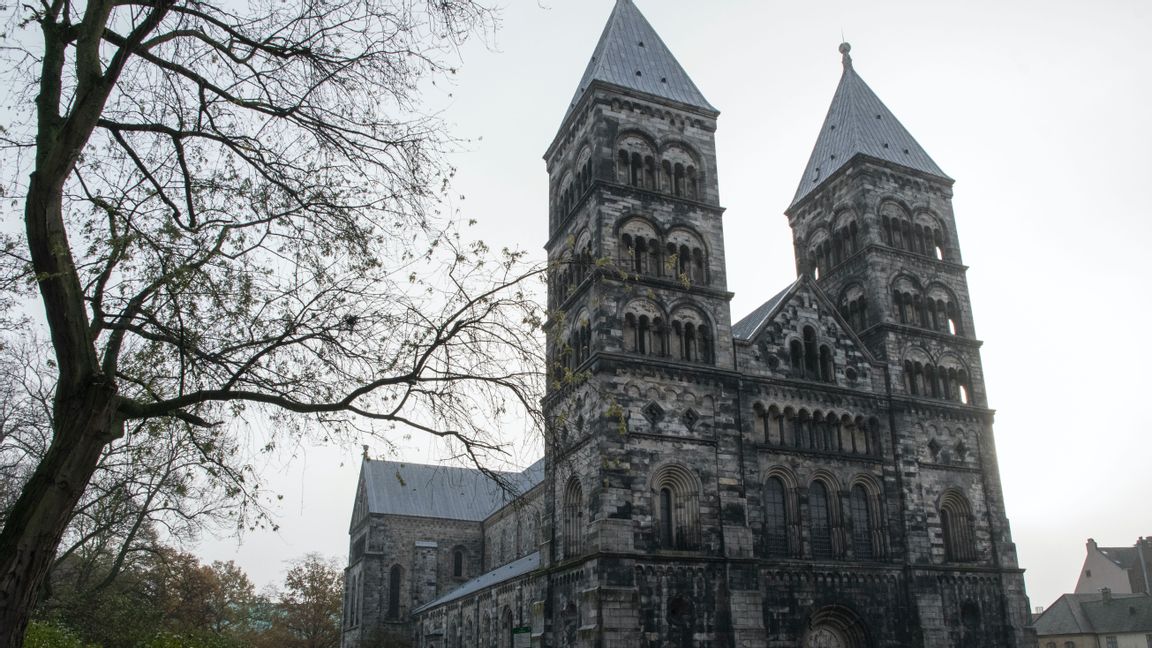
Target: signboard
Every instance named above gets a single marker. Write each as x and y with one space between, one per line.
522 637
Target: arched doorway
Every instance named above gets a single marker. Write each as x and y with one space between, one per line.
506 629
835 627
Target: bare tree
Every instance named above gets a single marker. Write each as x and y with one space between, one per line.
232 207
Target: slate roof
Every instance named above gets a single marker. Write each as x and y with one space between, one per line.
747 327
1089 614
632 55
499 575
858 123
449 492
1125 557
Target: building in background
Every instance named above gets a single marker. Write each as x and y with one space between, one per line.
1100 620
1123 570
820 473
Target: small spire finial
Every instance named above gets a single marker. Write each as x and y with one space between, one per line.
845 48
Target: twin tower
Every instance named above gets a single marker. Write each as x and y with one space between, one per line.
819 473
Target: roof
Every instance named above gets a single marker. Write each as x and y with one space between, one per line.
631 55
1091 614
1125 557
436 491
514 569
858 123
747 327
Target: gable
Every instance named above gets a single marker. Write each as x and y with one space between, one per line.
799 334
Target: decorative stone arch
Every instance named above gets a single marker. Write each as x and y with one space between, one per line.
895 222
824 515
842 216
932 234
680 173
865 504
577 340
957 526
676 492
955 379
819 246
835 626
691 335
686 255
781 523
919 372
853 306
905 281
573 522
645 327
943 309
635 155
584 169
639 247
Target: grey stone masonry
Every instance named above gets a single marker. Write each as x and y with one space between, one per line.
821 473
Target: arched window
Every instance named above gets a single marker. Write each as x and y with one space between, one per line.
957 528
573 518
394 576
776 517
811 354
796 358
667 524
691 337
676 500
622 167
863 525
458 562
643 335
827 368
820 520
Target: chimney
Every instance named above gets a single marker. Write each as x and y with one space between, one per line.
1144 552
1106 594
1091 544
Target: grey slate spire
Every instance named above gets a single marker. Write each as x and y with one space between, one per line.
631 55
858 123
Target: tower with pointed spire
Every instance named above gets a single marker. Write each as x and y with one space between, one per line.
821 473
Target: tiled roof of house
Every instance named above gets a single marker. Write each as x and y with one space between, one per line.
632 55
858 123
1097 614
436 491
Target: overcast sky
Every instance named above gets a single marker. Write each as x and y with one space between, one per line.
1038 108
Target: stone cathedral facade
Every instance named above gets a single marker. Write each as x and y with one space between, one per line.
820 473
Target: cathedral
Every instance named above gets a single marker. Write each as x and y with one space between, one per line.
820 473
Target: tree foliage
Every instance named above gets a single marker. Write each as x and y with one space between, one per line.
310 605
231 210
173 600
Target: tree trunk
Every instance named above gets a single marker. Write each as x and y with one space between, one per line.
84 424
83 410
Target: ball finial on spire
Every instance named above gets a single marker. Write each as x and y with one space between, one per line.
845 48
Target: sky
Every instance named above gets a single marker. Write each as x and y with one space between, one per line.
1038 108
